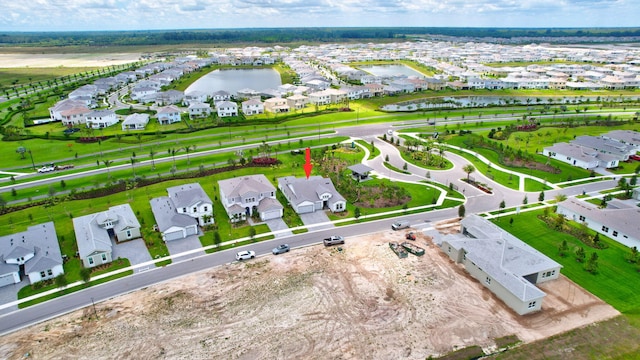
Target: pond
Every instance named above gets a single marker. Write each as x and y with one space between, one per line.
232 80
390 70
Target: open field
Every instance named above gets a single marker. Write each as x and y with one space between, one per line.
312 303
49 60
22 75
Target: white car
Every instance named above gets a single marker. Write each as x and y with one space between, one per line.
46 169
244 255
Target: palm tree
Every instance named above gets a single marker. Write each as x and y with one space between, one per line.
133 161
187 149
107 163
468 169
153 163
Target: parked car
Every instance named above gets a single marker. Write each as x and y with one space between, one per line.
398 225
244 255
282 248
71 130
635 157
333 240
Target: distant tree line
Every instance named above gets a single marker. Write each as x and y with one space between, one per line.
286 35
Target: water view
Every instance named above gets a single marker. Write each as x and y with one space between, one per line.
390 70
233 80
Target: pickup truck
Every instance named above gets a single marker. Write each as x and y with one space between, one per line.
333 240
398 225
46 169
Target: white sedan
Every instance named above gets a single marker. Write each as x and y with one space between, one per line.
244 255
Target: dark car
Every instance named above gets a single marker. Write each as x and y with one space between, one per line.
71 130
283 248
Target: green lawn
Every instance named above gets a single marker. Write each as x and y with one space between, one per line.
616 280
26 75
372 154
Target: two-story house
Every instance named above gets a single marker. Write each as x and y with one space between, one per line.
248 195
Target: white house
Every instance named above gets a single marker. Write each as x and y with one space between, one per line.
252 107
195 96
621 224
220 95
312 194
579 156
70 112
504 264
276 105
34 253
247 195
199 110
99 119
135 122
297 102
179 214
94 233
227 108
169 115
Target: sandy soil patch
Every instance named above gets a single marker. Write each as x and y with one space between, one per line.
66 60
311 303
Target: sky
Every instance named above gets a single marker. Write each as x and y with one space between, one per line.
81 15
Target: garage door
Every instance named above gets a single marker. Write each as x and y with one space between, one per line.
305 209
175 235
192 230
268 215
6 279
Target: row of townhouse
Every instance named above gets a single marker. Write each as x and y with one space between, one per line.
590 152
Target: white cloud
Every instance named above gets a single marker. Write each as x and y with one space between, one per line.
168 14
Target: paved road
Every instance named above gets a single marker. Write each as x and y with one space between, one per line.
477 202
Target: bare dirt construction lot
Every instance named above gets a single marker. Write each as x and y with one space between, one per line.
312 303
67 60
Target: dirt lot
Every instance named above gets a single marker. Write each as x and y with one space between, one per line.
311 303
66 60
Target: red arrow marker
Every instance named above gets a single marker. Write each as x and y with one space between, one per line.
307 162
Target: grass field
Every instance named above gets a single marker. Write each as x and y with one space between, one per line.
26 75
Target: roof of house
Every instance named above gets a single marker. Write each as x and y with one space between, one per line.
223 104
39 239
501 256
168 110
624 220
101 113
627 136
239 186
299 190
575 151
166 215
199 105
92 237
360 168
601 144
136 119
267 204
188 195
251 102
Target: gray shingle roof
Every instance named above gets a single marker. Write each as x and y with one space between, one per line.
299 190
41 239
240 186
624 220
360 168
166 215
188 195
600 144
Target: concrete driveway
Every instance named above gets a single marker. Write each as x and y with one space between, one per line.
278 227
317 220
177 247
9 293
134 250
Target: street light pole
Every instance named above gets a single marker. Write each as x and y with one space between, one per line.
94 308
31 156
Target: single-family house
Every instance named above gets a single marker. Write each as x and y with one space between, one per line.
135 121
628 137
169 115
252 107
580 156
190 199
227 108
502 263
143 93
297 102
221 95
612 147
169 97
375 89
199 110
99 119
320 98
34 253
276 105
171 224
312 194
195 96
621 224
70 112
95 231
248 195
